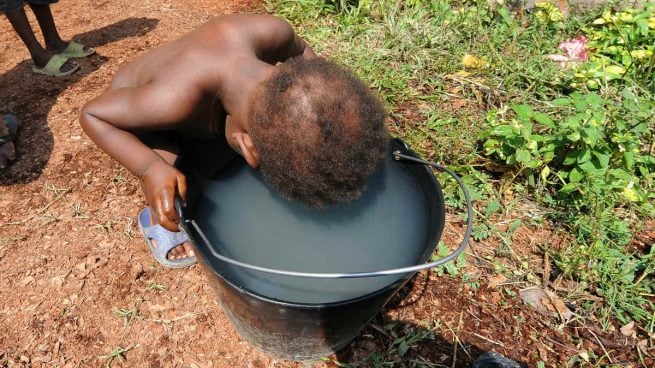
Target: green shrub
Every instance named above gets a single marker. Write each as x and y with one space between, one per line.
622 48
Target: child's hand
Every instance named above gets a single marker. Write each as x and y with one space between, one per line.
161 182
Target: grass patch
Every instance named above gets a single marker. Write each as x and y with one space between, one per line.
117 354
155 286
468 83
127 314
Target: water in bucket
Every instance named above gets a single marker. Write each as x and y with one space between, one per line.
246 220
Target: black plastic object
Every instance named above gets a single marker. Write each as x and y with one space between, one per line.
297 318
492 359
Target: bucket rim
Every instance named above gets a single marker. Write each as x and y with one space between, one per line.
311 306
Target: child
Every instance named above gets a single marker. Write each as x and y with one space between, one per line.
244 84
53 59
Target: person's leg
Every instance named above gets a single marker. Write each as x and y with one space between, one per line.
53 42
21 25
39 55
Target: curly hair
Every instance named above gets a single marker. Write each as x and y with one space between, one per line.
319 132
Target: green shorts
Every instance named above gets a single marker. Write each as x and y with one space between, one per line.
10 6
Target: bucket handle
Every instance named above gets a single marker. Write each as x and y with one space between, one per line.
397 155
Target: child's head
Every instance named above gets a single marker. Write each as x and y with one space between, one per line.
319 132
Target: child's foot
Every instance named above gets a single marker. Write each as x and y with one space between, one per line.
69 49
171 249
56 66
76 50
56 47
179 252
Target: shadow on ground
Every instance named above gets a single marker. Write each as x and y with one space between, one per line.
386 342
30 97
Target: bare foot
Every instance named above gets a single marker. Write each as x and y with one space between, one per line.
180 252
8 149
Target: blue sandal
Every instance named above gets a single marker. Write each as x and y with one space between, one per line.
166 240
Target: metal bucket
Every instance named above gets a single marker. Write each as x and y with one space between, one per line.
290 278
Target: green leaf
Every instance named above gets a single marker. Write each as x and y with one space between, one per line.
629 159
590 135
544 119
523 111
533 164
603 159
490 146
643 171
631 194
568 188
573 122
561 102
492 207
503 130
530 176
615 69
526 130
571 157
573 137
627 94
575 176
643 26
588 167
584 156
522 156
579 103
649 160
594 100
544 173
402 348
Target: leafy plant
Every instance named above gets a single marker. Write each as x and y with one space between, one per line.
548 13
596 148
592 158
452 268
622 46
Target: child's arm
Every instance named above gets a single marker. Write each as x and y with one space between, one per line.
109 119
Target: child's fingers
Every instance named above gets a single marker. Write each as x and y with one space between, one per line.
181 187
166 213
169 223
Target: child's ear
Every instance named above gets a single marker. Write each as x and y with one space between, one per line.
247 148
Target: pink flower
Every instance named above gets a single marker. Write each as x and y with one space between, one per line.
575 51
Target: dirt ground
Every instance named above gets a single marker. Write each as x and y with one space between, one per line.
72 260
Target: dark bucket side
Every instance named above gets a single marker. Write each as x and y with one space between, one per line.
296 331
300 331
